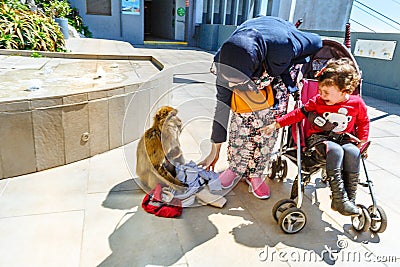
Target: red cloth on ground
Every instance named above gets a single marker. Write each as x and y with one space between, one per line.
153 203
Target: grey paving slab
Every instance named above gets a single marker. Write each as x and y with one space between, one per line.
386 188
221 237
134 243
329 255
104 214
374 241
107 170
202 107
3 185
385 128
368 240
54 190
196 91
387 254
189 145
198 126
129 154
308 237
174 57
385 158
97 46
52 239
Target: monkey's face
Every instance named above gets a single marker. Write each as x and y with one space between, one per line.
167 116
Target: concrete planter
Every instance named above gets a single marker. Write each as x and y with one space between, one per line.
67 121
63 22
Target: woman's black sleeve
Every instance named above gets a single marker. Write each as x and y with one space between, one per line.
287 79
221 115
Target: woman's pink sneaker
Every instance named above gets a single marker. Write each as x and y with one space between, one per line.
258 187
227 178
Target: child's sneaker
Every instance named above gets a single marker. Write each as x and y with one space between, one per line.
258 187
227 178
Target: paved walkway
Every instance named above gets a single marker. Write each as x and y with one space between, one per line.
89 213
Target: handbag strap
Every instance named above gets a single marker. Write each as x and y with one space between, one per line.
265 99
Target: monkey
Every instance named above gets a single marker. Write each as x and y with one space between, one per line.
158 149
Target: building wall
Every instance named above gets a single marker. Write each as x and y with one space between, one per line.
118 26
316 14
380 78
322 14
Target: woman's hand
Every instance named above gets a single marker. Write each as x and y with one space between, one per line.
269 129
209 162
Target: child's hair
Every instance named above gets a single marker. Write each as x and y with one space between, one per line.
341 73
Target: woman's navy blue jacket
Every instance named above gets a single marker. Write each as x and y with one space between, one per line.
264 41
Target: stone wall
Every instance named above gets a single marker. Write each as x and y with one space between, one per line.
38 134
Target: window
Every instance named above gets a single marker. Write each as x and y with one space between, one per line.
98 7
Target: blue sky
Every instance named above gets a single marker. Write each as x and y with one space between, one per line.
374 21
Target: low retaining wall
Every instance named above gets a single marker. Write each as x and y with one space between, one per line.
45 132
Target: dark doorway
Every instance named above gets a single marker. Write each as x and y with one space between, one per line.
163 22
147 18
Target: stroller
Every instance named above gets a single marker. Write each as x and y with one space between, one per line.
287 212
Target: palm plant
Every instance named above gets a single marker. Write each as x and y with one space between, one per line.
26 30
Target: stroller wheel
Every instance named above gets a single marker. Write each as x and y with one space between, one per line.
378 220
282 169
292 220
361 222
281 206
272 169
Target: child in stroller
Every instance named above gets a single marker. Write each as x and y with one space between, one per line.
335 114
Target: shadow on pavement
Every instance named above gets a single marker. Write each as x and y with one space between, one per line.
318 241
144 239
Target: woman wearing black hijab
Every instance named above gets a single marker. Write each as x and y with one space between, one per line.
260 48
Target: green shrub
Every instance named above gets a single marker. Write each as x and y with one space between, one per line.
57 8
15 4
25 30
